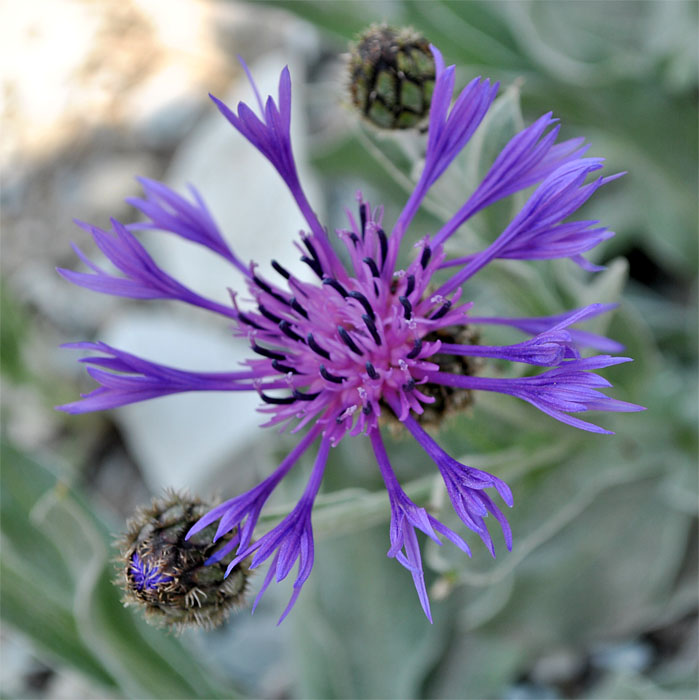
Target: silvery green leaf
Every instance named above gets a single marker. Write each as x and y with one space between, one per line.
50 626
361 632
519 288
610 544
477 666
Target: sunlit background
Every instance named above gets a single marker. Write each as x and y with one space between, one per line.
598 598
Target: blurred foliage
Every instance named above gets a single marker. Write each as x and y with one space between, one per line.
12 336
603 525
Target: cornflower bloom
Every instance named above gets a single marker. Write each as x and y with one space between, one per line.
364 340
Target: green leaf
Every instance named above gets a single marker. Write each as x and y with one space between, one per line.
473 34
580 562
477 666
42 618
342 19
363 634
13 331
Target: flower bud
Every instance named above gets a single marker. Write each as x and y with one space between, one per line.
392 75
167 576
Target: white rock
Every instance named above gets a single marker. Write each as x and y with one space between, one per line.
165 106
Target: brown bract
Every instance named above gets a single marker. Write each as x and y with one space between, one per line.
450 400
179 590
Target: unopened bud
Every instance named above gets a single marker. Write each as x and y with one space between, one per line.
392 75
167 576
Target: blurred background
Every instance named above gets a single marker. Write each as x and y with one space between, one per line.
598 598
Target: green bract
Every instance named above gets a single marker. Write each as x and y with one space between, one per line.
392 77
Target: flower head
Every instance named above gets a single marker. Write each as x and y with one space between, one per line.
368 338
179 582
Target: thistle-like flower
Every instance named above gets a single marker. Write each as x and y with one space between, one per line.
368 338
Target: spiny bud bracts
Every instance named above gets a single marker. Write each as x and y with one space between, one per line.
392 74
168 577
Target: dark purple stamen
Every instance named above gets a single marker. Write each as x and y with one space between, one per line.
285 328
314 254
277 400
336 286
407 307
347 340
372 329
355 239
441 311
314 265
383 242
362 218
281 270
262 284
268 314
267 288
250 322
364 302
417 346
284 369
330 377
314 260
410 286
409 385
372 266
302 396
267 353
371 371
316 348
298 308
367 409
279 297
425 257
311 249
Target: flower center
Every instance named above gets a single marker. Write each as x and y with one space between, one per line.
145 574
344 346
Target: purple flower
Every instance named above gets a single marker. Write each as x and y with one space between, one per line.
363 339
145 574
